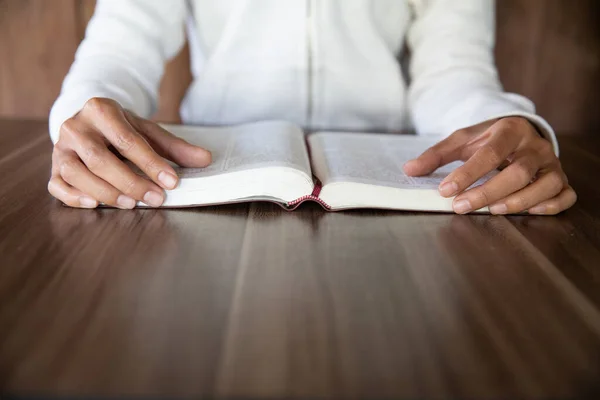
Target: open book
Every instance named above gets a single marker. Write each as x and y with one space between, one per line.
278 162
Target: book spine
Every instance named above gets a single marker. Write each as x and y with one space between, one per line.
314 196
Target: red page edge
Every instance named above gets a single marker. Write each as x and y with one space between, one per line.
314 196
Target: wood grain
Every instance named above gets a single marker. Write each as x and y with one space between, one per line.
549 51
249 301
38 40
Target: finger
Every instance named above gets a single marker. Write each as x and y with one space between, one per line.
442 153
69 195
170 146
501 144
104 164
108 118
564 200
76 174
545 187
516 176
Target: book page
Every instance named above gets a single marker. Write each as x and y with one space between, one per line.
245 147
374 159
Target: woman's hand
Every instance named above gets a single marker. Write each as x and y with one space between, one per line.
531 179
85 172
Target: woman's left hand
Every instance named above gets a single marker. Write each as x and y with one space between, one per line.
531 179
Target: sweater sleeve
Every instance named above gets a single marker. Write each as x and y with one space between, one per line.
454 81
122 57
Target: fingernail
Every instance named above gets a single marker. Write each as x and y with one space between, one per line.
499 209
462 206
408 165
207 157
153 199
448 188
167 179
537 210
87 202
126 202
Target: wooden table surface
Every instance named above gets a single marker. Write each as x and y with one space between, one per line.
251 301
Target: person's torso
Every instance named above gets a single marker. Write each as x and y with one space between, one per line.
324 64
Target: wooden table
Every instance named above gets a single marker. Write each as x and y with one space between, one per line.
250 301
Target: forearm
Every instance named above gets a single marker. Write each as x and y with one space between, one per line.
122 57
454 80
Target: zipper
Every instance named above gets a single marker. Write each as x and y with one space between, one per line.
309 61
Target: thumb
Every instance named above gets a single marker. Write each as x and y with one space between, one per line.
444 152
170 146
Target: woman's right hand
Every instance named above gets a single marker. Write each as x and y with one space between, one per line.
87 171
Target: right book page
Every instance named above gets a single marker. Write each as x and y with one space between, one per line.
364 170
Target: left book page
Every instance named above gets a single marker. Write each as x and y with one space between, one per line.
259 161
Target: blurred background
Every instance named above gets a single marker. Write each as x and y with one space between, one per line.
548 50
